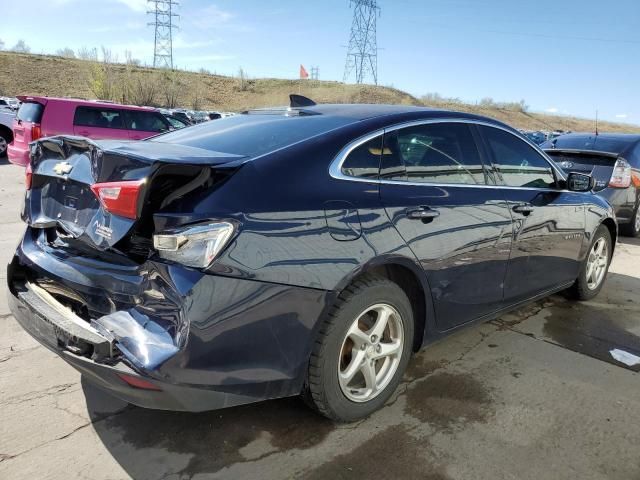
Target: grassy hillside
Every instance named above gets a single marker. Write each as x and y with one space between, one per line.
57 76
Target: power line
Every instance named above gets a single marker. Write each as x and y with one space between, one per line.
362 54
163 40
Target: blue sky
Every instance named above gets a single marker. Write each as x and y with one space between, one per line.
564 56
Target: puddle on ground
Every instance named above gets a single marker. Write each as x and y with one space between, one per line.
379 457
593 331
213 439
420 366
447 399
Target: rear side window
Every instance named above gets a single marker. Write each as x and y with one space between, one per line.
517 162
253 135
433 153
364 161
98 117
30 112
146 121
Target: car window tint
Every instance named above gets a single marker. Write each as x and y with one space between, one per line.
176 123
517 162
433 153
98 117
146 121
364 161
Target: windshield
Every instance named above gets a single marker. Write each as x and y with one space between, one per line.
252 135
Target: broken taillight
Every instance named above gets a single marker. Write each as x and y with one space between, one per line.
119 198
621 176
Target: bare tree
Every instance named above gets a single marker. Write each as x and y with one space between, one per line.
171 87
66 52
102 77
21 47
85 53
243 80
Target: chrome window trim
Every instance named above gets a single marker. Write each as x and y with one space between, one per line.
335 169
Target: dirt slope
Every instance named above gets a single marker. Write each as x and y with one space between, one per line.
57 76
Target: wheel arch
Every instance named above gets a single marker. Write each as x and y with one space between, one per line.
611 225
6 132
411 279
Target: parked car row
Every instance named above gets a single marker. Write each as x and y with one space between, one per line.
47 116
209 267
10 103
539 136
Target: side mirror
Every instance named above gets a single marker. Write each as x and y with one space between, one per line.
580 182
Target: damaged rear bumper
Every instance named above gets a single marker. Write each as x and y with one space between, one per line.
57 330
195 341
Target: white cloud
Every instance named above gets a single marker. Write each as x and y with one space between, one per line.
136 5
551 110
622 115
212 16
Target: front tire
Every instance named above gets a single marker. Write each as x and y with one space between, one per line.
362 350
595 266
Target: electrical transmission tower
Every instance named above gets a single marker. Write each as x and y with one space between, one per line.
362 55
315 73
163 23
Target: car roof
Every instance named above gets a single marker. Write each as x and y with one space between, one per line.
79 101
360 112
616 143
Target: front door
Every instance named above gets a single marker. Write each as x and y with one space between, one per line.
441 198
548 222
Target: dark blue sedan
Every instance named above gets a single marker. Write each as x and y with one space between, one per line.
298 251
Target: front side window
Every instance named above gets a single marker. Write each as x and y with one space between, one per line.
364 161
433 153
518 163
98 117
146 121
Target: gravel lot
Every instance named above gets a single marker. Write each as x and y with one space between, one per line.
534 395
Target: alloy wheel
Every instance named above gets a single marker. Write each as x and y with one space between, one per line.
597 263
3 146
636 222
370 353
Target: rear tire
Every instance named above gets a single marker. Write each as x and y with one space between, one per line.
595 267
362 350
4 143
632 229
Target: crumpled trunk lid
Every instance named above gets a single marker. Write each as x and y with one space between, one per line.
65 168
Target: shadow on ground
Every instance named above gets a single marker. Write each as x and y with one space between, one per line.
152 444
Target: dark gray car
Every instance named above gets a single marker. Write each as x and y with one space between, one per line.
613 159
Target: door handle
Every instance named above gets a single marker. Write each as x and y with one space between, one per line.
425 214
84 133
523 209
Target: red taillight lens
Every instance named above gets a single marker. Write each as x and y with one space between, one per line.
28 175
621 176
137 382
36 132
119 198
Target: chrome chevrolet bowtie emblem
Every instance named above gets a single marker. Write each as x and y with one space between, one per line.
63 168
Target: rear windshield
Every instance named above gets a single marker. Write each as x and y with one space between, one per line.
30 112
252 135
581 159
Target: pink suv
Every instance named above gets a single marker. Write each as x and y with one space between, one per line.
47 116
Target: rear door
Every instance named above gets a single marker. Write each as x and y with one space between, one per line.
549 222
442 199
99 123
144 124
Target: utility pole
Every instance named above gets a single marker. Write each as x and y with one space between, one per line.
315 73
362 54
163 23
